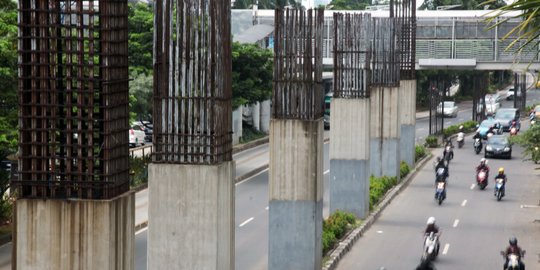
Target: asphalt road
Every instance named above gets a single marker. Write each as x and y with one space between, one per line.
475 227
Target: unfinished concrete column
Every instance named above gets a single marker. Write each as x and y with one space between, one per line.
385 100
350 116
191 187
296 143
74 209
408 120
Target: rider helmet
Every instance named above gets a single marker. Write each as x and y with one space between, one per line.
461 127
431 221
483 161
438 159
501 170
513 241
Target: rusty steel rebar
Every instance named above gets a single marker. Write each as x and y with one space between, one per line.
73 99
192 82
405 13
352 55
298 90
385 58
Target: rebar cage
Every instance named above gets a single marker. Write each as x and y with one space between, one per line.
73 99
298 90
520 91
480 89
437 94
385 64
192 82
405 13
352 55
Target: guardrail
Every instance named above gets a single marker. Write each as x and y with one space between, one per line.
145 149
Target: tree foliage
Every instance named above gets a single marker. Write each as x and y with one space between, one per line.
529 140
141 29
252 74
349 4
8 77
266 4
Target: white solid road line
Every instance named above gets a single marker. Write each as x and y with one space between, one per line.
456 222
141 230
246 222
445 250
464 203
473 185
327 171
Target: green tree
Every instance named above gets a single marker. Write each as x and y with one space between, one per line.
252 74
141 87
530 141
349 4
140 36
266 4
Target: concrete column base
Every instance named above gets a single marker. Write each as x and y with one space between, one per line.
407 141
349 186
191 216
74 234
295 194
390 157
375 157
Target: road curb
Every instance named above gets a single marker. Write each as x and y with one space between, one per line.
346 245
245 146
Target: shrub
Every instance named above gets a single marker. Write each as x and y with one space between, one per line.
138 170
335 227
403 169
378 186
431 141
420 152
468 126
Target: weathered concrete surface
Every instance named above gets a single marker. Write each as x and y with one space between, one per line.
191 216
74 234
349 156
408 120
385 131
295 194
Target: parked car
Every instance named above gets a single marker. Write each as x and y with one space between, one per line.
505 116
148 129
484 128
450 109
136 136
510 93
498 146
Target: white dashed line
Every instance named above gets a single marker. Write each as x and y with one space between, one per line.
473 185
445 250
246 222
267 208
379 231
456 222
327 171
464 203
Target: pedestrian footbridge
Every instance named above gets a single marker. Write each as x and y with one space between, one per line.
445 39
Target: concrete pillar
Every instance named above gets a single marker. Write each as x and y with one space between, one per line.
237 125
407 105
74 234
385 131
256 114
265 116
349 156
295 194
191 216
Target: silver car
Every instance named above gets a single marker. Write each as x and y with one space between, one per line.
450 109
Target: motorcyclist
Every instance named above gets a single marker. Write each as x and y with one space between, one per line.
440 164
449 143
513 248
425 265
502 175
483 166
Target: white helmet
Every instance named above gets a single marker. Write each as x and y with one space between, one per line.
483 160
430 221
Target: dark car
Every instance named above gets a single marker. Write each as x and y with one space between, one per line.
148 129
505 116
498 146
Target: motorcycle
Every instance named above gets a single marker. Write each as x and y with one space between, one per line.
513 129
477 145
513 261
440 175
440 192
449 154
535 155
499 188
481 179
460 139
431 247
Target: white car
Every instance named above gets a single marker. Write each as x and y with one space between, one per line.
492 107
450 109
510 93
136 136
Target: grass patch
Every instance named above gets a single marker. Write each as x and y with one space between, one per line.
250 134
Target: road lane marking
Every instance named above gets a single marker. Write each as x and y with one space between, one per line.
473 185
529 206
464 203
461 119
456 222
379 231
327 171
246 222
267 208
249 178
141 230
445 250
